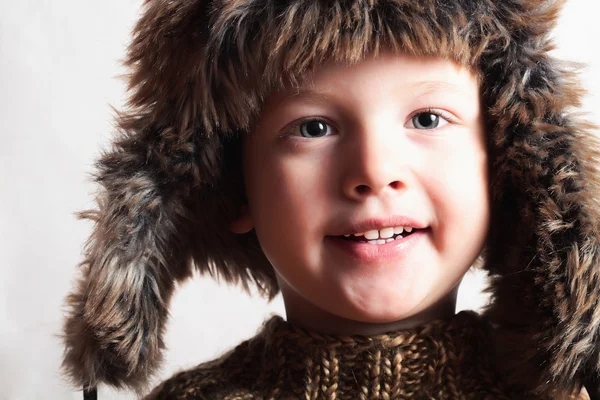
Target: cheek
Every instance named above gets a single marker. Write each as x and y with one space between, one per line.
460 193
287 199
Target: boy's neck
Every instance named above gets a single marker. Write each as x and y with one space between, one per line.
308 316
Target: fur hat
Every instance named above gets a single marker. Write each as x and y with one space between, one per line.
171 182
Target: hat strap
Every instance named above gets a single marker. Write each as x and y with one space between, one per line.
90 394
592 386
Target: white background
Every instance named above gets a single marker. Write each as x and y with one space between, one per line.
59 62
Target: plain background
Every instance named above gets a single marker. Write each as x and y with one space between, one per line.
59 62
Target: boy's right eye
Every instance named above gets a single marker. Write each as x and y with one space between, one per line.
314 128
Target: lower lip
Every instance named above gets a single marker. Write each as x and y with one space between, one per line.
374 253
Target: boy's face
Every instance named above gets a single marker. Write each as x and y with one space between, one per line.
359 148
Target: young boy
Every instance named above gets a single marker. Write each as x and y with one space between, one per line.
392 148
358 156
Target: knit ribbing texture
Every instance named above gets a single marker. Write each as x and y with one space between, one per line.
443 359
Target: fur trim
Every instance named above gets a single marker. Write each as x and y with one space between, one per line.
171 182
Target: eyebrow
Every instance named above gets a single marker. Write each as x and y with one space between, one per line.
428 87
421 88
308 94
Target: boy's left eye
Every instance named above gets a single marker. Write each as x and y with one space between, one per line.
429 119
314 128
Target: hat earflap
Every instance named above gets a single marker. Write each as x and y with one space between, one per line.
544 244
140 243
162 210
138 249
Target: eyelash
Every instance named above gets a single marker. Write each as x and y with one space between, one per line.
429 110
434 111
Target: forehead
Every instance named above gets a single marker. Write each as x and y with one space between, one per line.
389 75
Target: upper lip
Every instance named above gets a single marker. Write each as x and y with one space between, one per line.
370 224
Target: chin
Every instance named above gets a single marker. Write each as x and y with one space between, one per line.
384 312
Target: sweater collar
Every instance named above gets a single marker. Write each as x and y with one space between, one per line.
422 359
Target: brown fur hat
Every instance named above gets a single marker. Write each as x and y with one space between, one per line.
171 183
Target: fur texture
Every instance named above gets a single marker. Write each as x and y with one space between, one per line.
171 182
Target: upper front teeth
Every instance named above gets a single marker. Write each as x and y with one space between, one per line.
385 233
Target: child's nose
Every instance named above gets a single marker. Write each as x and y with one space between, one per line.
376 164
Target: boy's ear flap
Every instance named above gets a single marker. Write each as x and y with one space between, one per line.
138 249
242 223
544 243
163 206
142 239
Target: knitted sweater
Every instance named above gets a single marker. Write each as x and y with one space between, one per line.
444 359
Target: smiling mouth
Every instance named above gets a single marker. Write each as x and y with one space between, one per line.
380 240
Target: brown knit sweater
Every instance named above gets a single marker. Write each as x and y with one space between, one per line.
445 359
